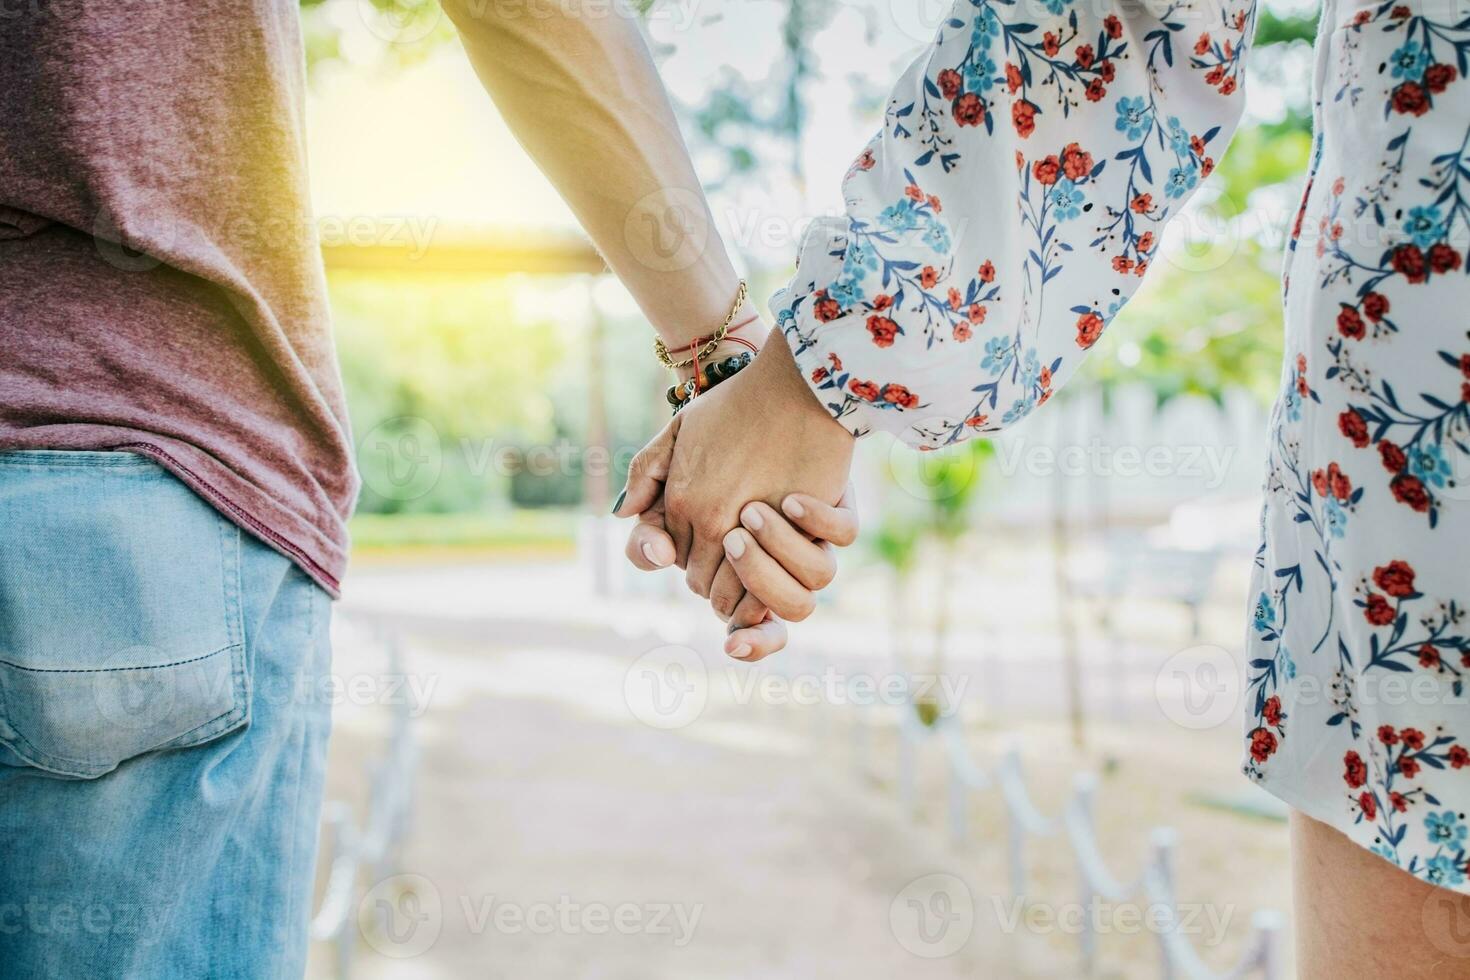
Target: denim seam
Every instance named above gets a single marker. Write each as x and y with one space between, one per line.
32 459
104 670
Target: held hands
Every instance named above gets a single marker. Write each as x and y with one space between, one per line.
713 495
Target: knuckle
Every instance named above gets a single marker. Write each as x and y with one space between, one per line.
696 585
799 609
724 601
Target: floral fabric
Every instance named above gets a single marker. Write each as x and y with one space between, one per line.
1027 166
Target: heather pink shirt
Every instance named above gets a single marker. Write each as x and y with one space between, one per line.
161 287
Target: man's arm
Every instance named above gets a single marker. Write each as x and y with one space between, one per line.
582 95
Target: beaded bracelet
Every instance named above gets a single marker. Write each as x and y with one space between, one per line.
684 392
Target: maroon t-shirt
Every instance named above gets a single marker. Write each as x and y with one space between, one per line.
161 287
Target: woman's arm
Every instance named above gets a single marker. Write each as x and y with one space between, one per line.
1012 203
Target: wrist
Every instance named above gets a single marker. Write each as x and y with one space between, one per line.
746 336
781 377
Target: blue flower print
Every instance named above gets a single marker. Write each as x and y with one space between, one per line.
1178 138
1068 199
1134 117
1425 226
1181 180
1444 828
998 354
1443 871
1427 462
1410 61
1265 614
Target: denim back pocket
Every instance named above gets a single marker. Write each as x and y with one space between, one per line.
120 620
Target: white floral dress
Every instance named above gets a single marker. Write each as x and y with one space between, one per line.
1014 199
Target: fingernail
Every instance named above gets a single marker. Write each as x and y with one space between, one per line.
793 507
649 554
741 652
618 504
735 544
751 517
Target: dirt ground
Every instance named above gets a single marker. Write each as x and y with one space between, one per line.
566 826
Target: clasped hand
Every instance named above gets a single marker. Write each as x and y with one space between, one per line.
744 490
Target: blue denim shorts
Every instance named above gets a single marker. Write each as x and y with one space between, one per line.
161 755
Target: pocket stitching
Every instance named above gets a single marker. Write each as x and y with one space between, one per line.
50 761
103 670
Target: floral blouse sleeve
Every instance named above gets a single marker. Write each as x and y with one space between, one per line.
1013 201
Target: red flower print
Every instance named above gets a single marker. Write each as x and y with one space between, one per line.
955 299
1362 17
1369 805
976 421
1203 44
977 313
1396 578
1106 71
1355 771
1076 162
1459 756
914 193
1409 490
1046 171
1399 803
929 277
934 203
1113 26
1271 712
1387 735
1215 75
882 302
1044 378
882 329
1428 656
1410 99
1146 242
1341 486
1096 90
1085 55
900 396
819 375
1438 77
1349 324
1378 612
1207 166
1443 258
969 110
827 308
1023 117
987 274
1465 365
1301 364
1122 263
1465 392
865 390
1197 146
1393 457
1339 185
1142 204
1227 87
836 362
1352 425
1319 482
1409 767
1408 261
949 83
1013 78
1263 744
1140 269
867 161
1375 305
1089 329
1050 44
1413 738
962 332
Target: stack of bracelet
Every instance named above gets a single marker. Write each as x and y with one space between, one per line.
682 393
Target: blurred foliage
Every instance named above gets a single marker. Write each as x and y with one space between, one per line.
522 532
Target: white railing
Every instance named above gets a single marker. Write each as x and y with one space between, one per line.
366 851
1153 883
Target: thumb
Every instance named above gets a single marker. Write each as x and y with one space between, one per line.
647 473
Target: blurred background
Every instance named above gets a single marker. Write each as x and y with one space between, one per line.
1007 743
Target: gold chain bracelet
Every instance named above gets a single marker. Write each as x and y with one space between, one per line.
708 346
